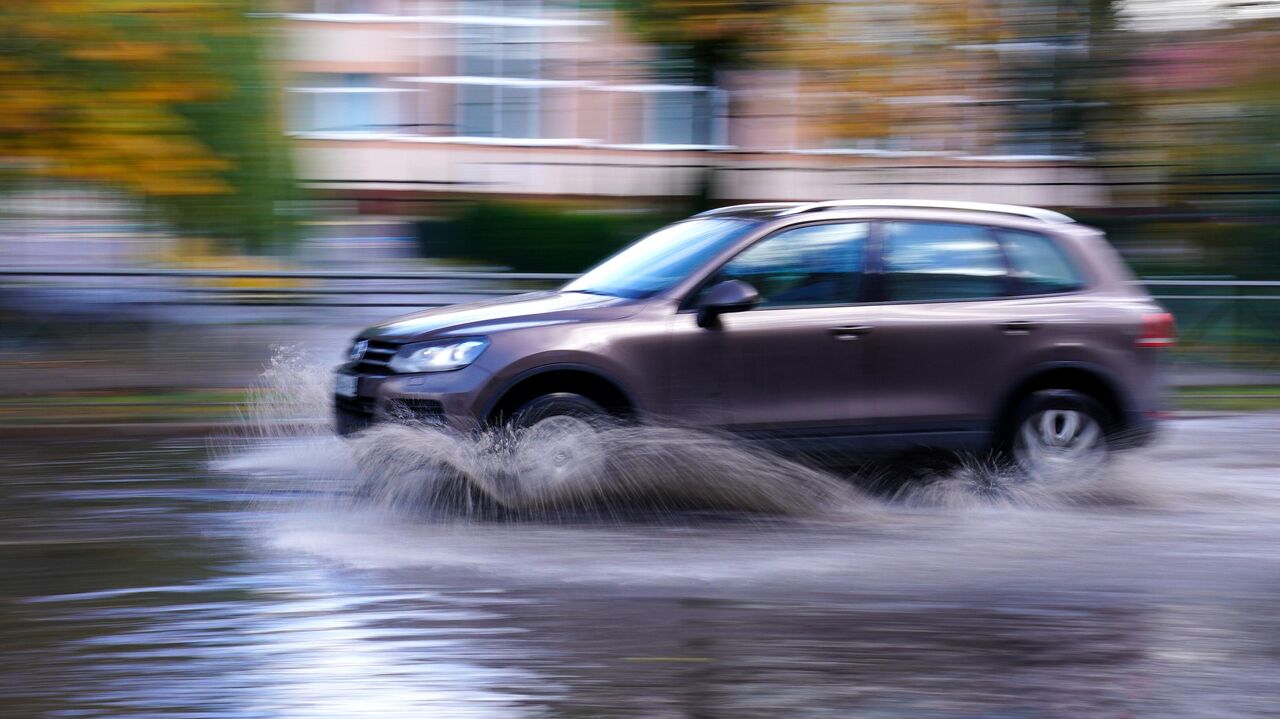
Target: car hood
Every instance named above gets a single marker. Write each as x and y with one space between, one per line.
507 313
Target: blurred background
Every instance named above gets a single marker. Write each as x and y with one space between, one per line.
185 183
193 191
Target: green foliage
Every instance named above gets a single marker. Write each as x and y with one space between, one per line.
245 128
1173 243
166 100
528 238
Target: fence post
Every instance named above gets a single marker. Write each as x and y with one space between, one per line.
1236 354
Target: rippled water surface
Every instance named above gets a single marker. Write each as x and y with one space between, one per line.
304 576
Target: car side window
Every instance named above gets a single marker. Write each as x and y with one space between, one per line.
810 265
925 261
1039 265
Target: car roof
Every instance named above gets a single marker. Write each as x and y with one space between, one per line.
770 210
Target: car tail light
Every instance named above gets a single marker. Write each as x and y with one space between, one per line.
1158 330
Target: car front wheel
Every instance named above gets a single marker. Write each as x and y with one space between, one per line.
558 445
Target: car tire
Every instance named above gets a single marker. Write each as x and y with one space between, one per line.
559 450
1056 432
557 404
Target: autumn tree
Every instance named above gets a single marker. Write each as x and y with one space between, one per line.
876 72
1205 105
1209 103
930 74
165 100
712 35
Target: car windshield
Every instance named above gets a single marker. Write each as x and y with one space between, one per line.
661 259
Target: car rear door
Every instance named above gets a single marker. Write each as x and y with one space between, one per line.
942 333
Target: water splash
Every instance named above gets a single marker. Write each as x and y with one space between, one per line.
616 471
628 469
292 397
983 482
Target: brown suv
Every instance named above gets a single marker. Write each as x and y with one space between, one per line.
844 326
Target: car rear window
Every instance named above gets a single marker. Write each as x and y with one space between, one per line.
1039 264
927 261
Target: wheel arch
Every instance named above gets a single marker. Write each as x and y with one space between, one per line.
1087 378
588 381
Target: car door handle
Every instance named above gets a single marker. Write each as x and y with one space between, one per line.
1017 327
849 332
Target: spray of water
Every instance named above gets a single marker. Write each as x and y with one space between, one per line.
982 482
604 471
613 470
292 397
619 470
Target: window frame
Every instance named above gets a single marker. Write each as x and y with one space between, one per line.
306 93
872 289
1013 288
467 47
863 297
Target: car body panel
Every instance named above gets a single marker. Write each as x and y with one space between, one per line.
918 374
775 368
479 317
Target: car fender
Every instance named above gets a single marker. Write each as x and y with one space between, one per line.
552 362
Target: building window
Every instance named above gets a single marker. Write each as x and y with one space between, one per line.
341 7
679 108
679 116
509 57
344 102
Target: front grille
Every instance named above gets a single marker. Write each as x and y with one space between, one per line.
377 358
426 411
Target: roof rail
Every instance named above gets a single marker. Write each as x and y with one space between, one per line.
1034 213
731 209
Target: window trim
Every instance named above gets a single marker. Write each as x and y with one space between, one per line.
872 289
686 303
1012 287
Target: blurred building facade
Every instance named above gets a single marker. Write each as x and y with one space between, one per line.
404 99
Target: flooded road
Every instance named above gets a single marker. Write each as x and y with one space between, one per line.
277 578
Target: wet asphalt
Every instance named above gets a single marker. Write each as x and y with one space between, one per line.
207 578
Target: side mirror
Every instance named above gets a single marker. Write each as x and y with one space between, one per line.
724 297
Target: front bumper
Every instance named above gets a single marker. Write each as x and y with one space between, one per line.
444 399
353 414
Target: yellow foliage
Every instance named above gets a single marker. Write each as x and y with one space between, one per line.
868 69
201 254
124 52
877 70
91 95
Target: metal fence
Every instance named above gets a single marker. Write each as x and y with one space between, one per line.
263 288
1222 322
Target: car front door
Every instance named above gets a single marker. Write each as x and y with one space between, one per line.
796 363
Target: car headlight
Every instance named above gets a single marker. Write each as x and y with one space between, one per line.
441 356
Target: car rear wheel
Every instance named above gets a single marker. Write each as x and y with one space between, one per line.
558 442
1059 432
